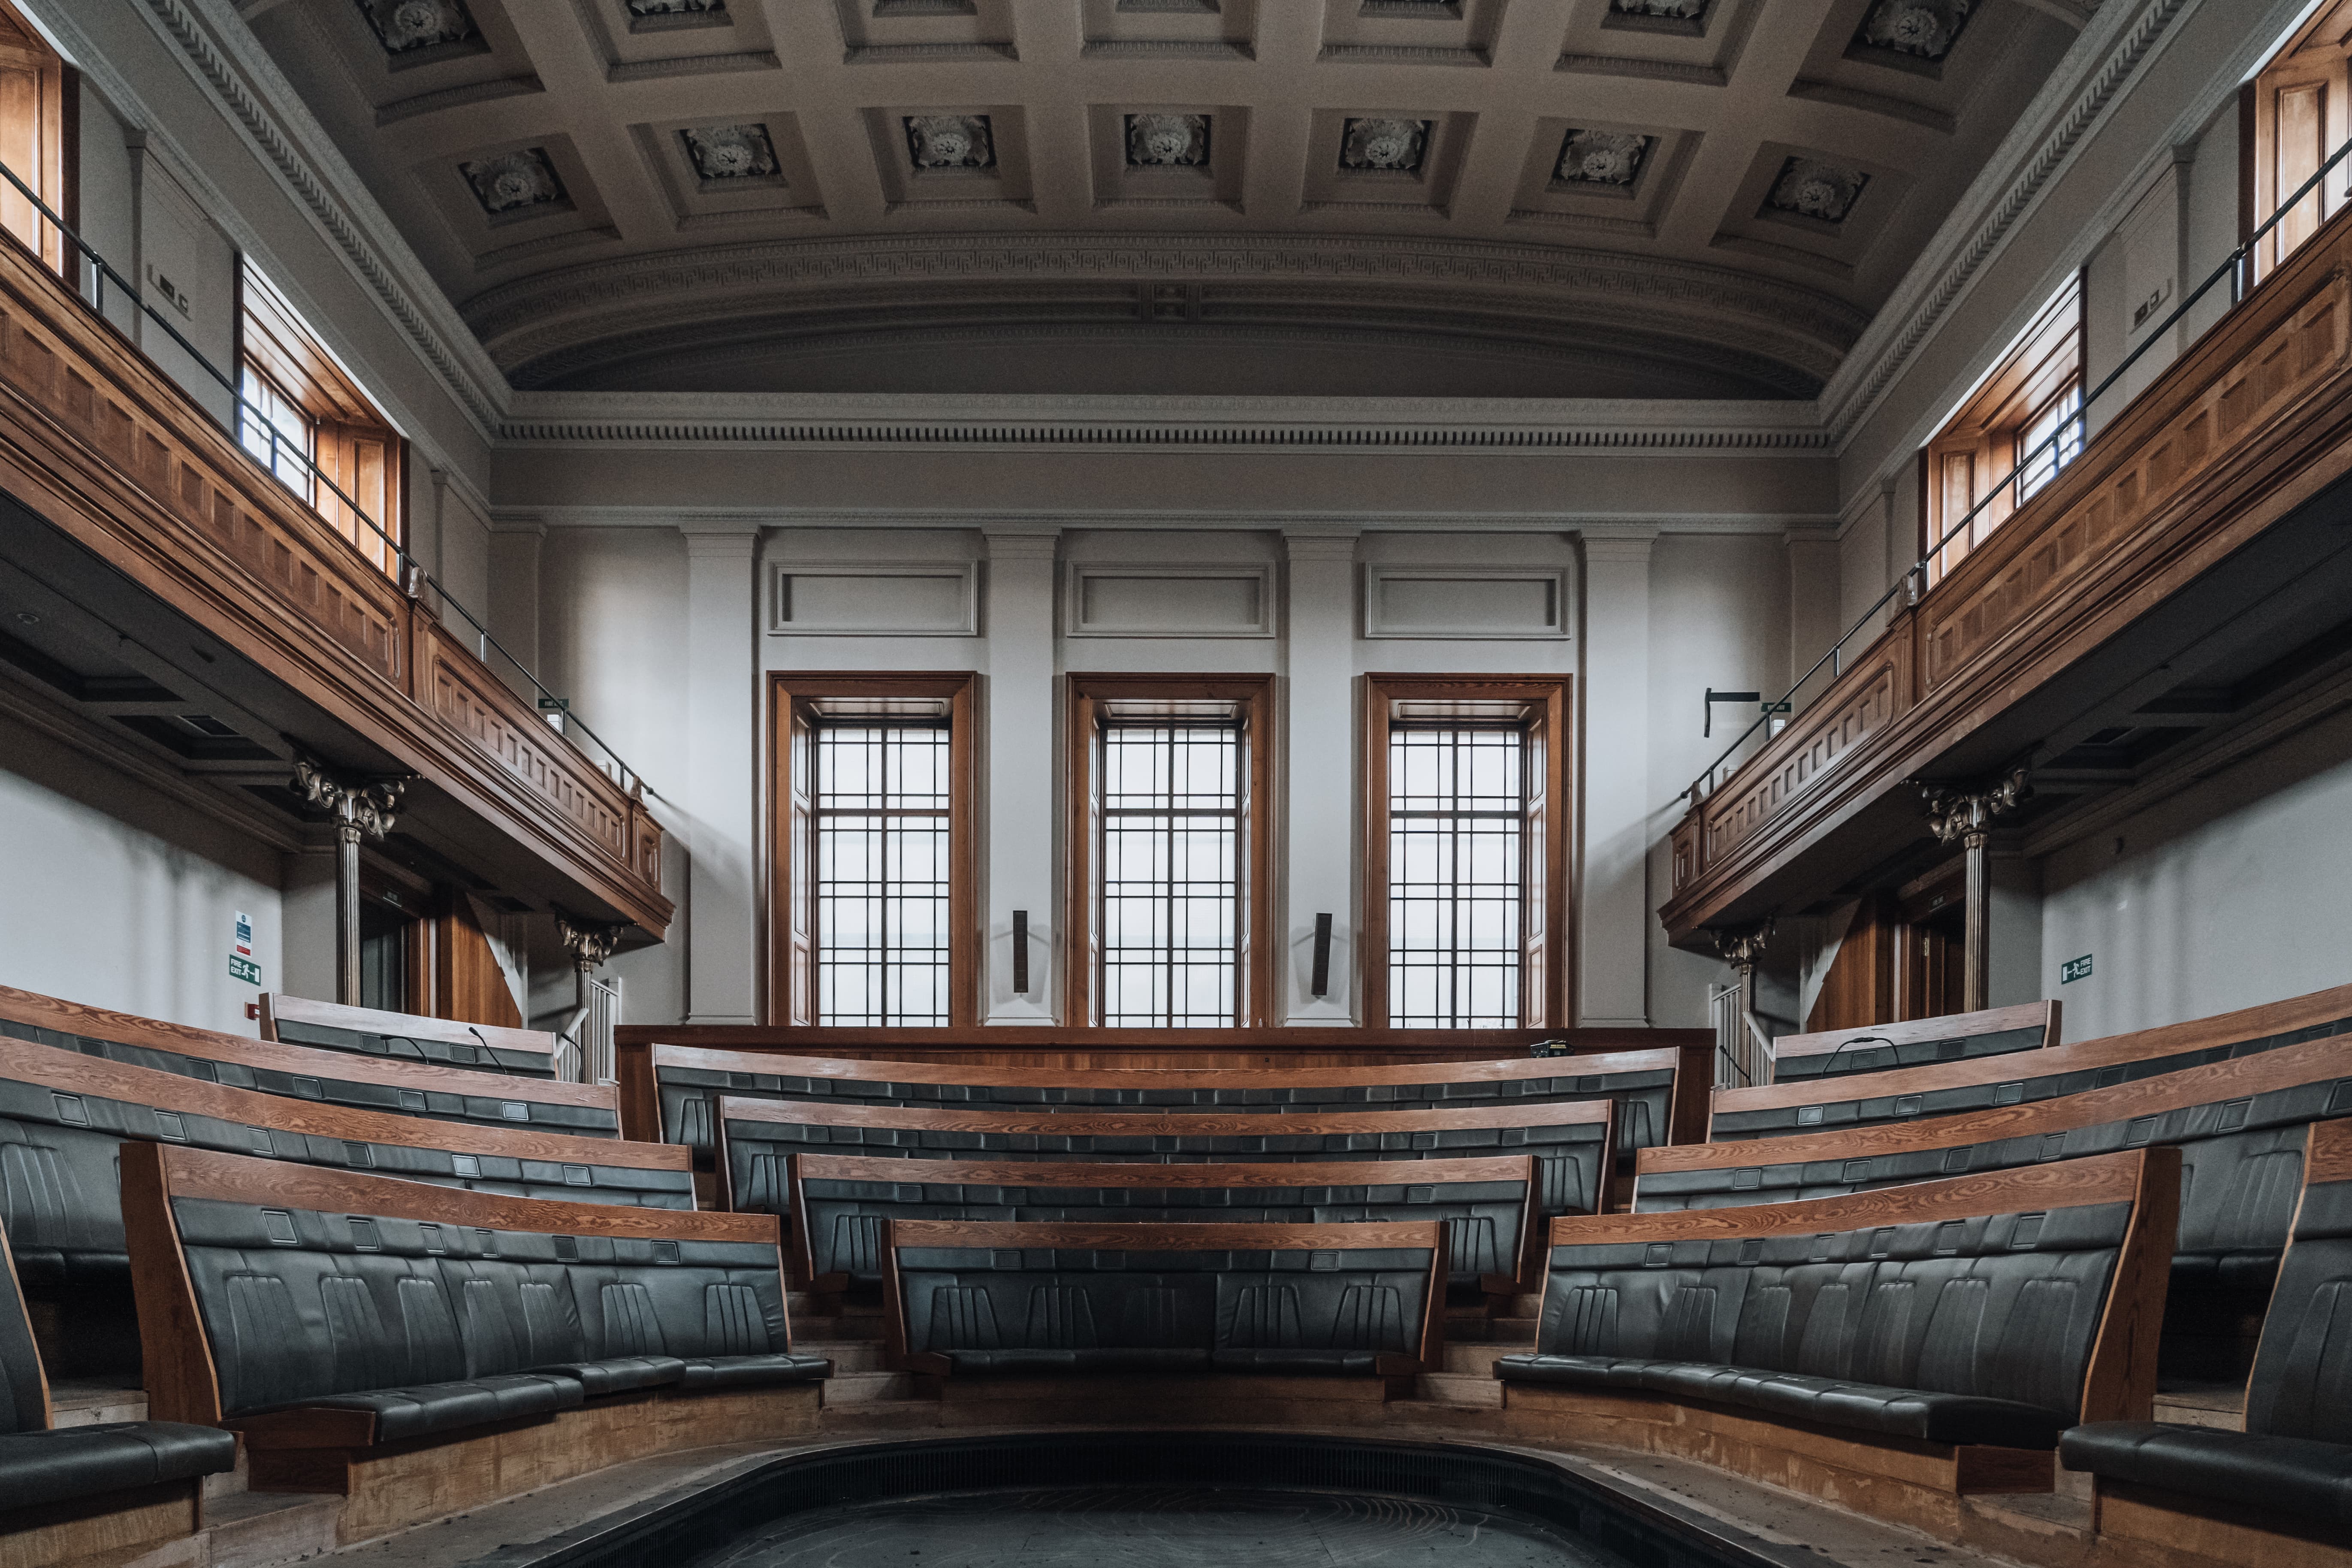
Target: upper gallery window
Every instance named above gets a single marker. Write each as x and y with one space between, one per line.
2299 111
1169 868
2027 416
308 424
873 905
1465 852
36 132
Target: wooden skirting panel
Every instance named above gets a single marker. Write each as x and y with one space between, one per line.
1210 1400
393 1485
99 1531
2139 1527
1893 1478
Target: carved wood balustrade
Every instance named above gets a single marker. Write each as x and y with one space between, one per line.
98 442
2251 422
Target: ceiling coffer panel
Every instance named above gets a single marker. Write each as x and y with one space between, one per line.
1624 184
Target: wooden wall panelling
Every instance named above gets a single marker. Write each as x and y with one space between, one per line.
97 441
468 985
1858 988
2232 436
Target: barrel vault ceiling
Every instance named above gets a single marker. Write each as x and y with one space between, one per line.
1685 199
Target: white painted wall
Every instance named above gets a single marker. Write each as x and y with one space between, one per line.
120 897
2227 895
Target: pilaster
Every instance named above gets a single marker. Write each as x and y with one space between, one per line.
721 792
1322 777
1613 907
1023 846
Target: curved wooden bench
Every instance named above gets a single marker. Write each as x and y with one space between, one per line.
1569 1142
373 1032
1906 1347
839 1204
2240 1124
65 1117
965 1300
2280 1491
1939 1090
1881 1048
421 1349
680 1086
303 1072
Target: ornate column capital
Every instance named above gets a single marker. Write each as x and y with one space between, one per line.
1743 945
589 943
1965 817
361 808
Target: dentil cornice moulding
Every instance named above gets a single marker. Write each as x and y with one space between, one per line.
823 421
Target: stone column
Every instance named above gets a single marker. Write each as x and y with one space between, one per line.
1614 906
1321 757
1966 817
362 809
720 798
1021 865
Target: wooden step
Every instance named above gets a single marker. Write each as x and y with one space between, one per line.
93 1403
1458 1388
865 1388
847 1355
248 1530
1479 1359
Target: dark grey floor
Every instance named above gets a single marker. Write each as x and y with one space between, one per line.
1153 1528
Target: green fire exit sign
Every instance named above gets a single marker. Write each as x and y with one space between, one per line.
2075 969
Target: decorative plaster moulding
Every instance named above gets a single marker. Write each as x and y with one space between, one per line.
1488 604
1112 599
692 420
866 600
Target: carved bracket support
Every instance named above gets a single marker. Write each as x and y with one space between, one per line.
1966 816
363 810
589 944
1743 946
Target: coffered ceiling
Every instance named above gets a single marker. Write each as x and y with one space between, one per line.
1692 198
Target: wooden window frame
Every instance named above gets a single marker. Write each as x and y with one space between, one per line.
791 917
2311 65
30 68
353 446
1254 1003
1989 426
1550 1002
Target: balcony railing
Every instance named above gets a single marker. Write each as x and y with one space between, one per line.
2064 446
2220 447
104 442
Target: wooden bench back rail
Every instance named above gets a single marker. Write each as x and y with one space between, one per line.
1570 1141
249 1272
839 1204
398 1086
1946 1088
2240 1126
64 1118
371 1031
1878 1047
688 1081
2042 1286
972 1298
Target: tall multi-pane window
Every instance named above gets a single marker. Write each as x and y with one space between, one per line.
882 828
1457 893
1169 915
2026 415
274 428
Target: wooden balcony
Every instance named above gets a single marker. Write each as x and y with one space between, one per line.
2208 514
245 597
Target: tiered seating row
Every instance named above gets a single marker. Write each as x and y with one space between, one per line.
394 1086
1944 1087
1570 1143
841 1207
682 1084
369 1031
333 1319
1878 1047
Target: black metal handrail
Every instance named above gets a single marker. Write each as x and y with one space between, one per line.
1914 583
412 578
